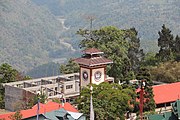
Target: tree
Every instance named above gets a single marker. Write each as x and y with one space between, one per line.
34 100
114 43
166 44
149 103
167 72
7 73
150 59
16 116
70 67
177 48
110 101
57 100
135 54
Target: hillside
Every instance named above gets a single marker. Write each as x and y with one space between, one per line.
147 16
37 32
29 34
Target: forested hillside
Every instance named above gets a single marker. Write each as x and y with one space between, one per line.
37 32
29 34
147 16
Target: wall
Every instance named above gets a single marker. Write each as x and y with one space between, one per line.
15 97
83 81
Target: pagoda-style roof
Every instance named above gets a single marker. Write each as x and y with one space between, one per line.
93 61
92 57
92 51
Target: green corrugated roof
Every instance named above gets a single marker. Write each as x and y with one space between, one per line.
178 108
168 115
51 116
155 117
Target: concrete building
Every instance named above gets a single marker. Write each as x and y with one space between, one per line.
62 86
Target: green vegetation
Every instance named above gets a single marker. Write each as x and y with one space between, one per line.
166 44
44 70
121 46
167 72
34 100
146 16
16 116
149 103
70 67
164 66
110 101
8 74
29 35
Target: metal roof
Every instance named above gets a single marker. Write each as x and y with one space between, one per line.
166 93
92 51
93 61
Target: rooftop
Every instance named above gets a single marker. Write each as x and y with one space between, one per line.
166 93
93 61
172 115
92 51
50 106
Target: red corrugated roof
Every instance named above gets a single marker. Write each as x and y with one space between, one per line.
166 92
92 51
93 61
50 106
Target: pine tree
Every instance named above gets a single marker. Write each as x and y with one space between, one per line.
135 54
177 48
166 44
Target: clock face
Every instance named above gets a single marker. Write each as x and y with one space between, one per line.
85 75
97 76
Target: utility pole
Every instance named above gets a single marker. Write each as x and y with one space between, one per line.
141 99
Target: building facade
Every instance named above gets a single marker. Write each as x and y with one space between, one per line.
62 86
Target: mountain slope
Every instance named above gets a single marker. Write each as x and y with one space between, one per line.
29 34
147 16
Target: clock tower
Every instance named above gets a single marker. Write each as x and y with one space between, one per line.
93 67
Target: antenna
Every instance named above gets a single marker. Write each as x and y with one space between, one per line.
90 18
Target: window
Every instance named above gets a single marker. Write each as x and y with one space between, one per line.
69 86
